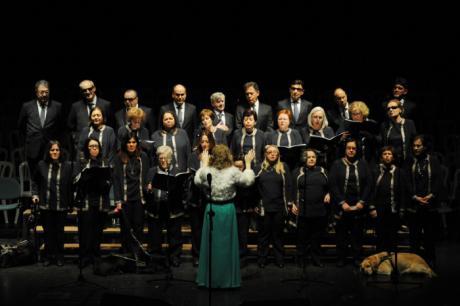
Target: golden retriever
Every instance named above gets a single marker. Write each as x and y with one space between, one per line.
407 263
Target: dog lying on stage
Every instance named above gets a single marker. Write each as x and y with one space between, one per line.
407 263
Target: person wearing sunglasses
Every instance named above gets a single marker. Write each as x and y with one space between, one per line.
398 132
300 108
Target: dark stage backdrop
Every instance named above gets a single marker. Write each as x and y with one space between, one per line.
361 47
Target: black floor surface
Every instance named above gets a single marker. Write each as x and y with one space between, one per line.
38 285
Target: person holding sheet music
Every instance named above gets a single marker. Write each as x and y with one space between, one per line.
274 183
165 206
224 179
129 180
52 192
92 200
176 138
367 142
249 138
311 192
197 198
398 132
318 126
350 183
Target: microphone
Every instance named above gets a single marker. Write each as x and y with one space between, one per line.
209 178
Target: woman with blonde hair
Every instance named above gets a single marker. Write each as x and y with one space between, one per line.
225 178
275 189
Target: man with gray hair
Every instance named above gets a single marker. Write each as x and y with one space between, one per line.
223 120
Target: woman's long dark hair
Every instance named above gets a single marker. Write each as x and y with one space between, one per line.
123 153
47 157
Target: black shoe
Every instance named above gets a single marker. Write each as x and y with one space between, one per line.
47 263
59 262
195 261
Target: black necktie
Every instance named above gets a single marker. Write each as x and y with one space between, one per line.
296 110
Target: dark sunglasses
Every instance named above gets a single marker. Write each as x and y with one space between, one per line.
392 107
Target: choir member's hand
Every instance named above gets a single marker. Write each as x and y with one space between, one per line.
248 158
346 207
359 206
373 213
118 206
205 158
35 199
327 198
295 209
222 127
149 187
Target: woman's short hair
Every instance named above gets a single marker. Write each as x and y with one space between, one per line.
359 106
86 154
221 157
174 116
398 103
167 151
304 154
318 109
248 113
92 111
135 113
286 112
207 112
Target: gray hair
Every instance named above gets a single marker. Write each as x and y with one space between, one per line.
216 96
42 83
318 109
165 150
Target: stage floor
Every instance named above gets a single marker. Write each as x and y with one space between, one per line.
38 285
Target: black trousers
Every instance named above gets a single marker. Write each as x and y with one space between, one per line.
90 227
387 225
422 232
309 233
271 230
349 227
174 235
135 218
53 226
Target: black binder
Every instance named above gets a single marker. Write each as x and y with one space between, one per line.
170 182
323 144
291 155
95 179
368 125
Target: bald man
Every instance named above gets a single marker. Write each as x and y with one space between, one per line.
339 111
79 112
185 112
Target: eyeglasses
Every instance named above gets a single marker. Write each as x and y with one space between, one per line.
130 99
86 89
392 107
297 88
93 147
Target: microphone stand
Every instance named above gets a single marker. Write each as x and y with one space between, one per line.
211 228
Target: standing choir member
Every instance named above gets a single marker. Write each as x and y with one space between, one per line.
274 183
52 192
129 181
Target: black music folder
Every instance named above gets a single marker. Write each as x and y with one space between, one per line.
291 155
368 125
170 182
322 143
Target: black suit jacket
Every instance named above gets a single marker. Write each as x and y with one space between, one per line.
264 117
305 108
36 136
190 123
79 118
149 123
229 122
